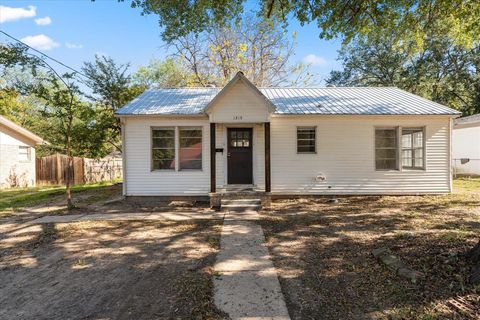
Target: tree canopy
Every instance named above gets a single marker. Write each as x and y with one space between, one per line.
410 19
443 71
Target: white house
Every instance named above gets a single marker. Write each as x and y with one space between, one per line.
17 155
285 141
466 145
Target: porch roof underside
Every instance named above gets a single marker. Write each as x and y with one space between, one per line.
301 101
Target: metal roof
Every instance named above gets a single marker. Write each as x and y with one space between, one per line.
467 120
329 100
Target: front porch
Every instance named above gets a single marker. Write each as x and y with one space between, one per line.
240 162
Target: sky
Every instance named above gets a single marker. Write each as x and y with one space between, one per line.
74 31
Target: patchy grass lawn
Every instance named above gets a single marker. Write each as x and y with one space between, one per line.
12 200
109 270
323 255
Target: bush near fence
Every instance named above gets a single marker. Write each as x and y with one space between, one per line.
54 170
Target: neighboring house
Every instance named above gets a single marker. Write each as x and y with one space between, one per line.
285 141
466 145
17 155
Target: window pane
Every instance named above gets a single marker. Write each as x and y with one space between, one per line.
190 142
418 153
163 164
306 149
190 151
406 140
163 149
412 145
385 149
159 154
163 133
23 153
191 164
407 162
385 133
386 154
306 140
418 139
386 164
163 142
418 163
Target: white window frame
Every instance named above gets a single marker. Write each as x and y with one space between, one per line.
176 147
29 153
314 140
397 130
399 148
424 150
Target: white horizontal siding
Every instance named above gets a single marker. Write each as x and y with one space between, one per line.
141 181
345 146
239 105
346 155
466 144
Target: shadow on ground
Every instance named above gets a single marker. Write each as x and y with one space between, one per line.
326 269
110 270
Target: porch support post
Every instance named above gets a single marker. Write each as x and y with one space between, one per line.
268 186
213 182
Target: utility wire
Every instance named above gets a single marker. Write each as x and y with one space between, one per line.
45 55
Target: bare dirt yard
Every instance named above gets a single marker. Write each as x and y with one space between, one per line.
109 270
153 269
323 254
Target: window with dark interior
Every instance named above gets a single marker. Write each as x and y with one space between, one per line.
190 151
386 149
306 137
163 149
412 148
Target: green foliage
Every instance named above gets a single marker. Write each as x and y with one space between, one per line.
443 71
180 18
409 19
111 89
168 73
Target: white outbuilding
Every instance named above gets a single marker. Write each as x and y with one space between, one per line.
17 155
466 145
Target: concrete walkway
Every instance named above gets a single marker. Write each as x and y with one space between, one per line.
247 285
170 215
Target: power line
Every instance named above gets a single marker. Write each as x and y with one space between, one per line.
44 55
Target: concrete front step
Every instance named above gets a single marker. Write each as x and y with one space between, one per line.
241 204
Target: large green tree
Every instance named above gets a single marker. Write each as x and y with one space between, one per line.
442 71
111 88
409 19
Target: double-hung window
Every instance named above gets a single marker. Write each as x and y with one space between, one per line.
172 142
386 149
306 140
23 153
190 148
412 148
399 148
163 149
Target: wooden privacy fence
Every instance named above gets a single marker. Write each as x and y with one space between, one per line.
54 169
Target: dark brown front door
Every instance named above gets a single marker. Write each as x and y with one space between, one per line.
239 156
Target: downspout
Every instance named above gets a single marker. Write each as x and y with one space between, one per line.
124 157
450 120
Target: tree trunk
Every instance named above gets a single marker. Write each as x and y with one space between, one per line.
68 187
474 256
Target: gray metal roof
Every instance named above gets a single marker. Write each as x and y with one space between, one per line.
466 120
329 100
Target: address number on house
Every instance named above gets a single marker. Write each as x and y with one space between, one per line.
237 117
